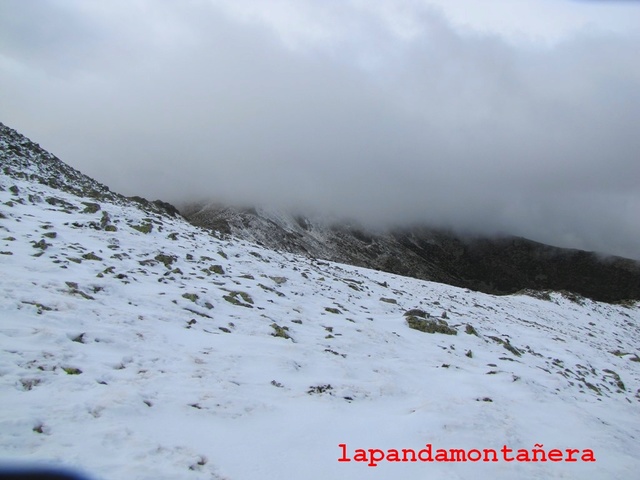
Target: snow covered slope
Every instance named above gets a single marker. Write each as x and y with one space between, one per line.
135 345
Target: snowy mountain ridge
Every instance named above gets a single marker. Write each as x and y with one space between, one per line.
135 345
496 265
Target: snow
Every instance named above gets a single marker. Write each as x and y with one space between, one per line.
164 392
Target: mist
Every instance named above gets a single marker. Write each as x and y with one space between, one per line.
401 112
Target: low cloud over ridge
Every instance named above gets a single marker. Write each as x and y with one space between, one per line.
394 113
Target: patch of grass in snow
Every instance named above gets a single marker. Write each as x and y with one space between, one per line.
41 308
54 202
143 227
416 312
217 269
591 386
167 260
281 332
389 300
74 290
108 270
204 315
616 378
618 353
272 290
79 338
41 244
72 370
232 298
191 296
39 428
430 326
469 330
320 389
506 344
328 350
258 256
91 207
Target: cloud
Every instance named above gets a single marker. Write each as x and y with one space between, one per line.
392 113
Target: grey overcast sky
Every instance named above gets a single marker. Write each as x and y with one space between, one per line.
495 116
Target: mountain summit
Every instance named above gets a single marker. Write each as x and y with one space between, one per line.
22 158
